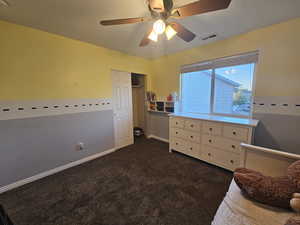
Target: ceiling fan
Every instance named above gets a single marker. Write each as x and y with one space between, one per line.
162 10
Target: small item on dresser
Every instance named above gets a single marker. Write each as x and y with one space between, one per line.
273 191
174 96
169 98
160 106
148 94
152 106
151 96
169 107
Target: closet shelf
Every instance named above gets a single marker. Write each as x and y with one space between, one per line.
137 86
156 111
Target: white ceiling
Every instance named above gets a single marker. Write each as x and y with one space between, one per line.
79 19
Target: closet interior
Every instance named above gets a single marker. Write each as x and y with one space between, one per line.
138 82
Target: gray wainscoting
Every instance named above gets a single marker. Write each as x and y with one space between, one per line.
277 131
34 145
158 124
281 132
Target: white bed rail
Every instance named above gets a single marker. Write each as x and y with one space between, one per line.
268 161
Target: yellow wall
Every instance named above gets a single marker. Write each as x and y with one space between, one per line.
38 65
278 71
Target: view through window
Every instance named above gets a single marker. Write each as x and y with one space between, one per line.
220 90
233 89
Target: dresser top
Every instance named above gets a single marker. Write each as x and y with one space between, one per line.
216 118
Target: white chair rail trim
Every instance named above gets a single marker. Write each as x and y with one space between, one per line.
29 109
283 105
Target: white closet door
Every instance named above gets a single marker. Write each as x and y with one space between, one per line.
122 106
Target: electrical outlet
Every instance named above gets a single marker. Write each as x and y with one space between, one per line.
80 146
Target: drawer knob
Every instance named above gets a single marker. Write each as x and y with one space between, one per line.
233 146
191 148
176 123
234 133
192 126
231 161
176 133
192 136
209 141
210 129
176 144
209 154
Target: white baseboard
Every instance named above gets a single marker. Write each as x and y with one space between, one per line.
53 171
158 138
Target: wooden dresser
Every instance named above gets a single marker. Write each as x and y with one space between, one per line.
214 139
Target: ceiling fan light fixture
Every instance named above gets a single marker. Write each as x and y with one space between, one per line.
170 32
153 36
159 26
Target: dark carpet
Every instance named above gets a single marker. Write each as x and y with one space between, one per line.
142 184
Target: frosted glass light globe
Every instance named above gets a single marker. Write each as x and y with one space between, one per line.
159 26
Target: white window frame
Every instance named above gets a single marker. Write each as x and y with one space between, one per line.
253 55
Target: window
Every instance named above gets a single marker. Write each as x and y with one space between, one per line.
196 89
222 86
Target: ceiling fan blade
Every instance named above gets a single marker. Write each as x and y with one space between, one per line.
183 33
200 7
145 41
123 21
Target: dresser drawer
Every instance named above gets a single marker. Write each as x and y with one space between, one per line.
193 125
237 133
231 145
226 159
211 141
178 133
178 144
192 136
192 149
212 128
206 154
177 122
221 143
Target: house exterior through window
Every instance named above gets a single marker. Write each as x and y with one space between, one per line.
222 86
